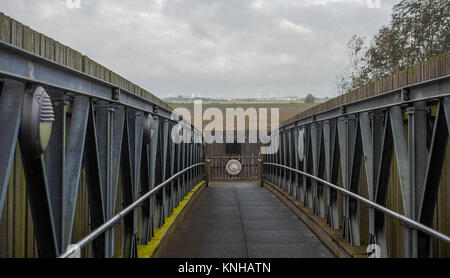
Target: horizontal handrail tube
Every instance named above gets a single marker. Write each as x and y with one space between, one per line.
111 222
398 216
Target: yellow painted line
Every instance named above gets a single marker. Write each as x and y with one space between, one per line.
149 250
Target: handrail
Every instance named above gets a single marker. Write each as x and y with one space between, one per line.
108 224
400 217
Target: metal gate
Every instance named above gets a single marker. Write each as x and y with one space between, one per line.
217 168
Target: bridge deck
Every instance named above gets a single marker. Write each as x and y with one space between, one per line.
241 220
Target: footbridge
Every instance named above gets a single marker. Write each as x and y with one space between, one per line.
89 168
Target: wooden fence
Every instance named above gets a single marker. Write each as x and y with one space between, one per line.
434 68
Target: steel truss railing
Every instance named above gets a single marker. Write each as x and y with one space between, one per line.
411 124
99 130
408 221
113 221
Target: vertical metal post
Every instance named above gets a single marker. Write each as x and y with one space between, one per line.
289 161
372 138
273 160
350 162
418 155
146 222
296 164
279 160
332 168
105 131
208 171
172 170
308 197
165 146
179 168
191 160
153 162
284 161
316 145
260 171
183 166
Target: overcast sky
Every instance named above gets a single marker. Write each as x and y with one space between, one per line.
217 48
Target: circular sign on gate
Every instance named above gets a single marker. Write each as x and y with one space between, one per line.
301 145
233 167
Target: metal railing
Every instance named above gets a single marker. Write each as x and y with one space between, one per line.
388 147
107 144
113 221
410 222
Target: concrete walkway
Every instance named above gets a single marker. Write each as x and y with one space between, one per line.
242 220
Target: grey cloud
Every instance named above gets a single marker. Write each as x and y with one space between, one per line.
211 47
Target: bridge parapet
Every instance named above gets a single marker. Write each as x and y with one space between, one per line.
386 142
79 144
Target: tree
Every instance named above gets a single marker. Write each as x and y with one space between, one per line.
418 31
355 74
309 98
